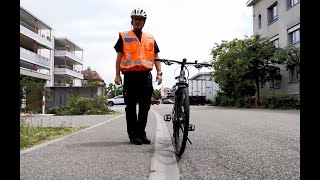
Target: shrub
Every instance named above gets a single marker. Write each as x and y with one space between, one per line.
82 105
279 101
246 102
218 98
227 101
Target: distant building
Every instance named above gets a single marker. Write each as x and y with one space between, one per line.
55 61
68 63
92 76
201 84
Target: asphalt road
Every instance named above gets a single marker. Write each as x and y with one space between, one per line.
226 144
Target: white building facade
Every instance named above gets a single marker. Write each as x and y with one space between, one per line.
57 61
36 48
279 20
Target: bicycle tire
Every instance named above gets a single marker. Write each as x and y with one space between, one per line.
181 124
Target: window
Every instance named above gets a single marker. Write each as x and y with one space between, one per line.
294 36
294 74
275 84
259 21
276 43
275 40
273 13
292 3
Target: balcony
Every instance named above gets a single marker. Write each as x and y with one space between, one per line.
34 58
29 31
36 74
63 53
62 69
62 85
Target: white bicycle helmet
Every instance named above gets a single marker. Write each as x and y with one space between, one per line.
139 12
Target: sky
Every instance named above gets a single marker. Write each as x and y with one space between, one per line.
182 28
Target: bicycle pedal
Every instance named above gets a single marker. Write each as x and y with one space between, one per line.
167 117
191 127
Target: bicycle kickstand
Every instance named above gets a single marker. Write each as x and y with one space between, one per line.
189 140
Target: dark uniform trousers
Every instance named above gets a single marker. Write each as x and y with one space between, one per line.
137 88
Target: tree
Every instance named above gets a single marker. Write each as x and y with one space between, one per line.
156 94
110 89
32 88
230 69
260 54
118 90
239 63
113 90
92 84
289 56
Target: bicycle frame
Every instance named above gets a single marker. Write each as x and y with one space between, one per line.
182 83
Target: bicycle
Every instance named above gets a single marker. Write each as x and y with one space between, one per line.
181 106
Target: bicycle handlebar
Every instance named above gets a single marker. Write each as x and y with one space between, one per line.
195 63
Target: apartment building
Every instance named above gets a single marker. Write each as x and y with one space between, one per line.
56 60
36 48
68 63
279 20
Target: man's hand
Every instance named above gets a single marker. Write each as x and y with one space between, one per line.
159 79
118 80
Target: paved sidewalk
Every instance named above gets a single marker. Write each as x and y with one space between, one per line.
102 151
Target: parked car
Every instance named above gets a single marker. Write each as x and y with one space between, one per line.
167 101
155 101
116 100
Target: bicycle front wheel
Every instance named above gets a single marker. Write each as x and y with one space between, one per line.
181 123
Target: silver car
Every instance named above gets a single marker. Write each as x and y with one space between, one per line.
116 100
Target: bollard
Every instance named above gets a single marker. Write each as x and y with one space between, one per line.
255 101
43 102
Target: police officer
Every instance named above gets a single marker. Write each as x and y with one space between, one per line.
136 51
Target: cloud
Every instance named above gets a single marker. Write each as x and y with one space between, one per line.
182 28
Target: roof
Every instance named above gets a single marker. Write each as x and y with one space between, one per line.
88 74
33 16
199 74
62 39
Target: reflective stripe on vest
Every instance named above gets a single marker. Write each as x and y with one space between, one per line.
137 55
145 62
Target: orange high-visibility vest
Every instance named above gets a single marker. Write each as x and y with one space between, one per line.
137 56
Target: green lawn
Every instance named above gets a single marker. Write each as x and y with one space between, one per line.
33 135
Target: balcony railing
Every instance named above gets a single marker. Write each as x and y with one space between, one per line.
34 58
62 84
68 54
66 70
34 73
63 66
35 31
29 27
272 19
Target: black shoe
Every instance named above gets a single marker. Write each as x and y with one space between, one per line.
136 141
145 140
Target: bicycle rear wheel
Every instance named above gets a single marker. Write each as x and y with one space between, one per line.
181 123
